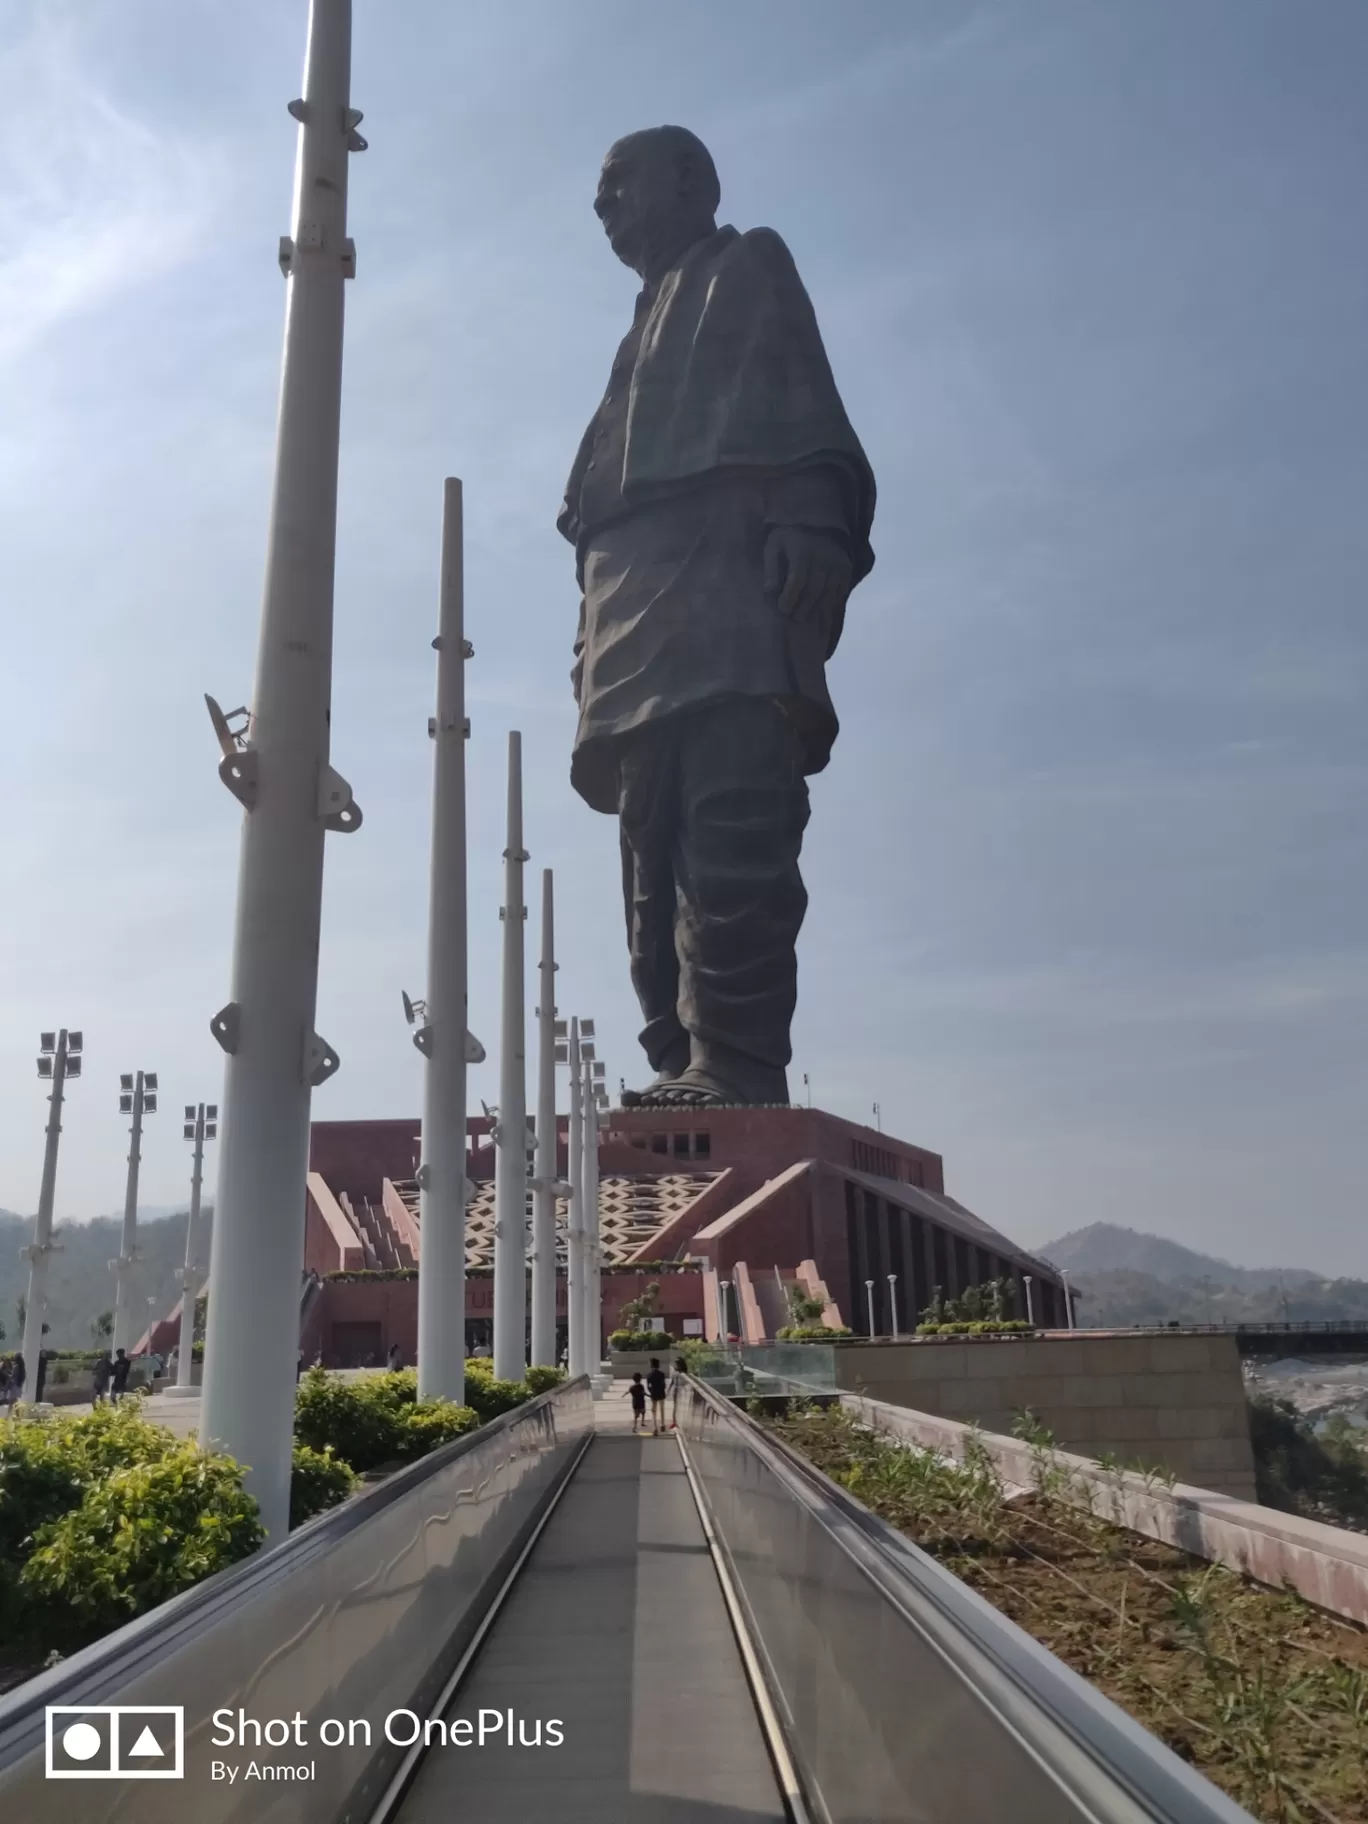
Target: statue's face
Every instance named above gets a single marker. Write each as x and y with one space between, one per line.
638 199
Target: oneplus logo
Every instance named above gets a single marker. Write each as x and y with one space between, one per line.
115 1742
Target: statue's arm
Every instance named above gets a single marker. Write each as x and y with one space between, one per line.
808 568
577 669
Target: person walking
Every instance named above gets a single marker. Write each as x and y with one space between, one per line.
655 1386
637 1393
118 1380
677 1380
395 1359
6 1386
18 1373
100 1377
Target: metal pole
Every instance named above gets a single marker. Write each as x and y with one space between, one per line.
1068 1299
510 1166
574 1234
292 797
128 1244
893 1300
189 1273
869 1294
589 1225
1030 1308
443 1186
43 1245
544 1203
726 1311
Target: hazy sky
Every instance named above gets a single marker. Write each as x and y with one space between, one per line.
1087 870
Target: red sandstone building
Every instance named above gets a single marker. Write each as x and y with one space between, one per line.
756 1198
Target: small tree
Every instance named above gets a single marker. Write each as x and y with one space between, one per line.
637 1311
803 1307
102 1329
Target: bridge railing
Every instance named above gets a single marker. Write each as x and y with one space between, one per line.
362 1612
900 1693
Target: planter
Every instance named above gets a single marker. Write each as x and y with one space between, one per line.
638 1361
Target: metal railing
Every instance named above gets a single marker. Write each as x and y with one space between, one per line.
899 1691
360 1613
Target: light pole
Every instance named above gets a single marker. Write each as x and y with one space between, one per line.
510 1136
878 1119
137 1097
1030 1308
545 1181
278 767
574 1233
201 1124
1068 1299
594 1100
869 1294
893 1300
724 1301
58 1062
444 1037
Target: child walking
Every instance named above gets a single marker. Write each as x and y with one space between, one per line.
637 1390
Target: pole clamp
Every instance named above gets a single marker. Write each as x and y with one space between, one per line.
226 1027
320 1061
336 806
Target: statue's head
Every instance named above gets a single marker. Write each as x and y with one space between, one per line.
657 194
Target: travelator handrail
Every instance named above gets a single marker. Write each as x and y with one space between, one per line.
361 1612
900 1692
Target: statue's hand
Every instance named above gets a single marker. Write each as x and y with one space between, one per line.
810 572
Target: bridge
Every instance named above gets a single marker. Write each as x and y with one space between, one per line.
553 1619
1339 1336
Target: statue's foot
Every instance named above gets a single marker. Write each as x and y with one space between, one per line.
672 1065
703 1085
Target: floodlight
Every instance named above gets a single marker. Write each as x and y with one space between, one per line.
74 1042
149 1105
189 1132
189 1111
126 1083
599 1070
562 1054
586 1054
586 1029
45 1067
125 1105
409 1013
150 1081
560 1029
73 1068
211 1113
47 1041
211 1131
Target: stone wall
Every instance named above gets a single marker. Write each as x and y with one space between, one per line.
1175 1403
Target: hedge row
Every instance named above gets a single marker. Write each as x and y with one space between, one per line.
1004 1327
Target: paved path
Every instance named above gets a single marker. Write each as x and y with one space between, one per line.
616 1627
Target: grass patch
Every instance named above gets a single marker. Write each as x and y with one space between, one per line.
1266 1695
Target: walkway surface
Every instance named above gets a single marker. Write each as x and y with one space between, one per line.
617 1628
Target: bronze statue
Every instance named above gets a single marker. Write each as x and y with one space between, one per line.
720 508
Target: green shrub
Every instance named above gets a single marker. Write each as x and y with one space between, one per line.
39 1482
811 1333
431 1423
140 1536
987 1328
360 1421
541 1379
652 1341
318 1481
490 1397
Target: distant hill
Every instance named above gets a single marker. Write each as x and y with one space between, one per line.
1103 1247
1124 1276
80 1284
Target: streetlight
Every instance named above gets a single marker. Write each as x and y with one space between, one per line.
1068 1299
510 1133
594 1101
545 1182
893 1301
724 1300
137 1097
878 1119
569 1053
201 1124
1030 1308
59 1060
444 1037
869 1294
278 767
